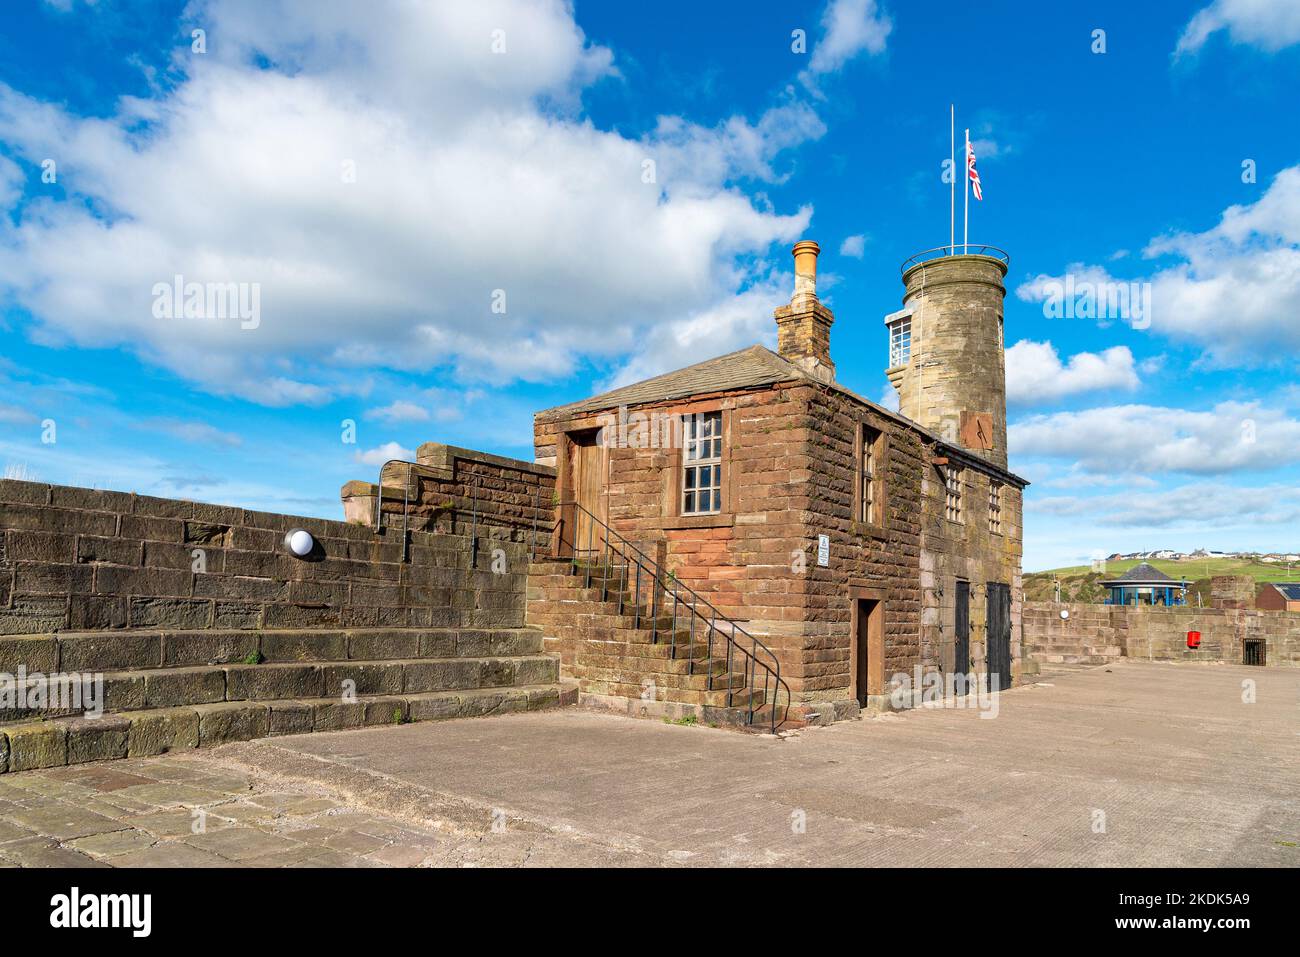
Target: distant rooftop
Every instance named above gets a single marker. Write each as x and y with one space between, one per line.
1141 574
1291 590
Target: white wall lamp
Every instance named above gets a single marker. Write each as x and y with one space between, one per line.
299 541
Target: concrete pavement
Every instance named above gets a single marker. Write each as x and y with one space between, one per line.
1131 764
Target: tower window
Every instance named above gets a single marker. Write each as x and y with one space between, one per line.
995 508
900 342
702 464
953 478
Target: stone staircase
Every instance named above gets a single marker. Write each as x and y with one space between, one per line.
616 642
171 690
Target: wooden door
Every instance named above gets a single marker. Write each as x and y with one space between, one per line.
998 637
589 461
961 651
868 649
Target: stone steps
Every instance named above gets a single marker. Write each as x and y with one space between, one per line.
618 643
105 651
210 684
29 745
163 690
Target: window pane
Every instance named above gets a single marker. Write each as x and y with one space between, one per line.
690 502
690 478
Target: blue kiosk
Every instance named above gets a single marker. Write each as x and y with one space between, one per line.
1145 584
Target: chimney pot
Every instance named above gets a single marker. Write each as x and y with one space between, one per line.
805 267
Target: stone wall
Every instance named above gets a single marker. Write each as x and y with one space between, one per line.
83 559
969 551
790 472
957 365
1096 634
453 490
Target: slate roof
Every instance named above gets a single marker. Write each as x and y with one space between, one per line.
1143 574
748 368
1291 590
744 369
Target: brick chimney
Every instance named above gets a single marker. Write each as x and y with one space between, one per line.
803 328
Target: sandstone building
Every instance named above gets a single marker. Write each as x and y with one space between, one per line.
820 534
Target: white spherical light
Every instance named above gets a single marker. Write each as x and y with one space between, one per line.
1065 613
300 542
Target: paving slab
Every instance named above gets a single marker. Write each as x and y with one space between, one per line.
1132 764
1137 763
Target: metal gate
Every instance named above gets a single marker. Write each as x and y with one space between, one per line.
998 635
961 656
1253 652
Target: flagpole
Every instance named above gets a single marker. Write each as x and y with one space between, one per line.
965 234
952 161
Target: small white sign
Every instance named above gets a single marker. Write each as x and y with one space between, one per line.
823 550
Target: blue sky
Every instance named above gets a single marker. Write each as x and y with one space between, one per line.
390 183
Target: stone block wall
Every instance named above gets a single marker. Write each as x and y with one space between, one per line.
790 469
76 559
453 490
1095 634
968 550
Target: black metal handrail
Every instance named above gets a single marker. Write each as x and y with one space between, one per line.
406 500
687 597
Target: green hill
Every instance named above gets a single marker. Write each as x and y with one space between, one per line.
1079 583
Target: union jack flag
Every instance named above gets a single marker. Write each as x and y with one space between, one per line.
973 172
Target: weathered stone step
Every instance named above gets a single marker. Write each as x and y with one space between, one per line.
209 684
53 743
103 651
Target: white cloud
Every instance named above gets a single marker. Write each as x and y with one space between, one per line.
1036 373
399 411
735 323
1233 288
15 415
473 174
199 432
849 27
854 246
384 453
1267 24
1201 505
1231 437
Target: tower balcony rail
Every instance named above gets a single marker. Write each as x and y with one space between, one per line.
961 249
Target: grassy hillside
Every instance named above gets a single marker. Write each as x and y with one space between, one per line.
1080 582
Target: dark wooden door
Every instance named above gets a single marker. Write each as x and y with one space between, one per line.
961 654
868 649
998 640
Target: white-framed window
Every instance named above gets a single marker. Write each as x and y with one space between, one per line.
900 342
995 507
953 479
702 463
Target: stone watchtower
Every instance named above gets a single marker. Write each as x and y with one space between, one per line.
945 348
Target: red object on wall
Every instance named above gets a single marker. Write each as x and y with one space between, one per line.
1193 639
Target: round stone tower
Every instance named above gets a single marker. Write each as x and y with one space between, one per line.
946 355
